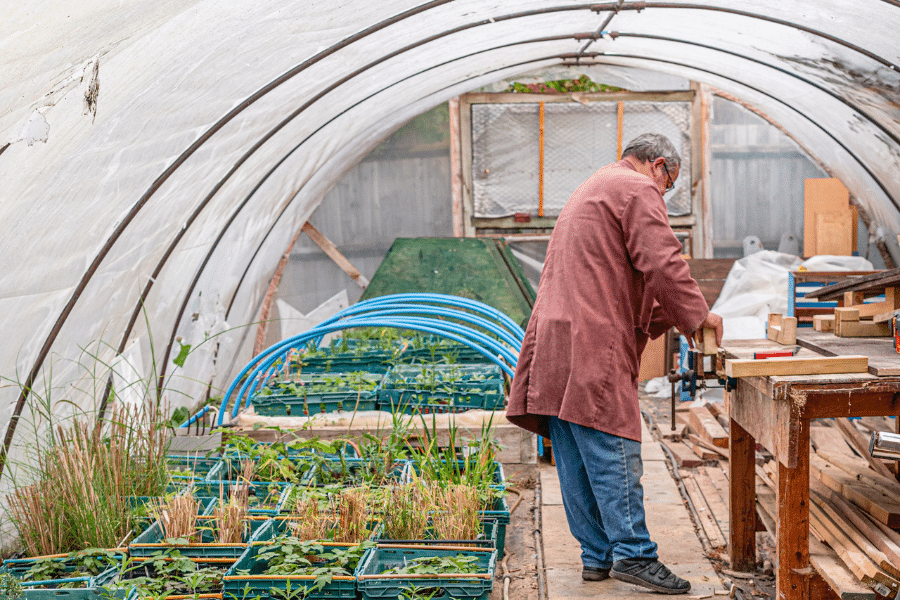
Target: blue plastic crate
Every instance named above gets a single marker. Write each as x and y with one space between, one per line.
325 473
266 497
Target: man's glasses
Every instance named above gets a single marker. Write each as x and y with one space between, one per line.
671 182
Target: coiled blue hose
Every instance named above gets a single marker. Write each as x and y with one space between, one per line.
396 311
455 332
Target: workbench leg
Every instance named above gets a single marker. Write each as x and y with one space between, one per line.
794 570
742 498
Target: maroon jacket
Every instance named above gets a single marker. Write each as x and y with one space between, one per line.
613 279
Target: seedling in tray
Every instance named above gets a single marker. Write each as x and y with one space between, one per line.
287 563
170 573
73 570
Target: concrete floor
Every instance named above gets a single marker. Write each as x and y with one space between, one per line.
670 527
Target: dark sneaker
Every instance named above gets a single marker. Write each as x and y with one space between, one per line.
594 573
650 574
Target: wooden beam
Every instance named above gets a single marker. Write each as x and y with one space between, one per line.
781 329
857 440
456 170
795 365
334 254
823 322
707 427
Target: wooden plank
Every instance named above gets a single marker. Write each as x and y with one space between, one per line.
707 427
742 498
796 365
715 500
334 254
868 528
871 282
862 329
781 329
861 445
880 505
832 439
823 322
883 359
683 454
833 570
859 539
834 232
820 195
707 520
855 559
673 434
890 303
716 452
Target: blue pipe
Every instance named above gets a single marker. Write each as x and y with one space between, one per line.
426 325
417 309
253 381
295 341
445 299
199 414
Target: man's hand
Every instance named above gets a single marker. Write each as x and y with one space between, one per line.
712 321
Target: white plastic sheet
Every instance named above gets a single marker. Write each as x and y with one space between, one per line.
757 285
217 127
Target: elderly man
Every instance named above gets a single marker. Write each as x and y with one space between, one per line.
613 279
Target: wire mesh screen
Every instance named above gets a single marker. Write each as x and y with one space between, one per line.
578 140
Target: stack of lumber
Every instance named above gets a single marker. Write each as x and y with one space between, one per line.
854 506
867 304
699 435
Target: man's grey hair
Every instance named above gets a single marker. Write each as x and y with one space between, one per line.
650 146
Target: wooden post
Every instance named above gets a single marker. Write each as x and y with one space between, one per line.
794 570
742 497
334 254
456 174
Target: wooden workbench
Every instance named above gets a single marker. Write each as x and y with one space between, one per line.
776 412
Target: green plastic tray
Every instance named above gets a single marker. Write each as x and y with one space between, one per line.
49 590
152 541
253 584
372 585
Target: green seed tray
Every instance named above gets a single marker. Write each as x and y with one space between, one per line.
120 587
497 477
372 585
199 466
355 468
252 584
287 406
487 538
152 540
500 513
266 497
49 589
230 469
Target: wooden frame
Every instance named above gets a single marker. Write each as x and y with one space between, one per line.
694 229
776 412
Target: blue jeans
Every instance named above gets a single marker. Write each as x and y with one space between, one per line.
600 479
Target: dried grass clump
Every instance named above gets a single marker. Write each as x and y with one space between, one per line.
354 515
456 512
178 516
231 515
83 480
407 516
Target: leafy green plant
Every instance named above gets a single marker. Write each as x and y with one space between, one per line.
582 84
288 555
168 573
82 564
435 565
10 586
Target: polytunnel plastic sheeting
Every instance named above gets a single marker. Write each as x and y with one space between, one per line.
169 185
